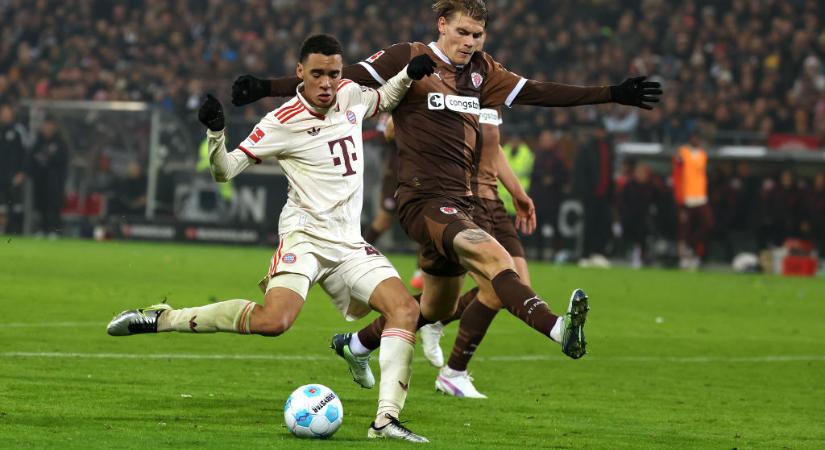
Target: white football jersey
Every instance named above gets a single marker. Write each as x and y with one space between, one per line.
323 159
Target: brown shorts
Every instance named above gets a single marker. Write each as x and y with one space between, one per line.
493 218
434 222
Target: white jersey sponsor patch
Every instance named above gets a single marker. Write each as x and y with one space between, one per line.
489 116
463 104
457 103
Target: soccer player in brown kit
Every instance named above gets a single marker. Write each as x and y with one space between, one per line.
437 129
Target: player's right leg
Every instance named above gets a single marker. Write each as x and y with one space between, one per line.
279 311
485 257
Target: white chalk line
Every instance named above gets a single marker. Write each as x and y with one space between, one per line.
500 358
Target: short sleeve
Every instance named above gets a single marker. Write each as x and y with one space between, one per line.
501 86
267 140
385 63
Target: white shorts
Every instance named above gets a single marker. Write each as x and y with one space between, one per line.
348 272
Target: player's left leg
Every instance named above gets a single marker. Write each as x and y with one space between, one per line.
370 280
485 257
401 312
492 216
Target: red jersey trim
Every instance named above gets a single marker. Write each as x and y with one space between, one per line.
273 265
377 104
249 154
282 111
343 83
294 113
315 114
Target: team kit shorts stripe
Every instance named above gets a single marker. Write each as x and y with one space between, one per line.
348 272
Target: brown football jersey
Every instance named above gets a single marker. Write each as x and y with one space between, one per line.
438 130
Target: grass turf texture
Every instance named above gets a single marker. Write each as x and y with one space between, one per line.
677 360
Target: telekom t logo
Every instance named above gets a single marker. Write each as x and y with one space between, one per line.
345 152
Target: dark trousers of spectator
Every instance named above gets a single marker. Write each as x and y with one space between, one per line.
48 199
597 225
11 197
695 225
635 232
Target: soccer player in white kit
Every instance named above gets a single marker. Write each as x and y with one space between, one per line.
316 138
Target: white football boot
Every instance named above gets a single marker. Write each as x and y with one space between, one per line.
394 430
431 343
456 383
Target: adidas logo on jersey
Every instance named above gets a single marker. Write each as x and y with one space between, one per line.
314 131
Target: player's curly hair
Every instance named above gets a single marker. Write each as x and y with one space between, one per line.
476 9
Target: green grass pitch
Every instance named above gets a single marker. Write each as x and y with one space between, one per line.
677 360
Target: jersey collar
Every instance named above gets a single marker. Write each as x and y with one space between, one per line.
442 56
317 112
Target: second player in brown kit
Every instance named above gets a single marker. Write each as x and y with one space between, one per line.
437 133
475 308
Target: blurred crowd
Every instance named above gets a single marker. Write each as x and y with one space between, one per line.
733 70
629 210
726 65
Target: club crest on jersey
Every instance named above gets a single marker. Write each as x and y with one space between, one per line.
257 135
289 258
351 117
449 210
314 131
377 55
477 79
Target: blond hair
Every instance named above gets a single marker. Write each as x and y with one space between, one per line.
475 9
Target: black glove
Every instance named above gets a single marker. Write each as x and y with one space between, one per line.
211 113
636 91
247 89
420 66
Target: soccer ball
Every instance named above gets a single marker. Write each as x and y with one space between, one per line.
313 411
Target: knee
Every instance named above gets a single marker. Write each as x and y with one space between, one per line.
272 325
490 300
404 312
494 263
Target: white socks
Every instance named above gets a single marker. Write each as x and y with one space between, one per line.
396 355
232 316
356 347
558 327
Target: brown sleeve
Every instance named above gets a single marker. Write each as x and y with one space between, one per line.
541 93
498 85
283 87
383 64
503 87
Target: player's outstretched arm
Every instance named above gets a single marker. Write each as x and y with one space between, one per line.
370 73
633 91
394 90
249 89
224 166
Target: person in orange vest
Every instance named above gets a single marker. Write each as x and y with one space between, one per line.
690 188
